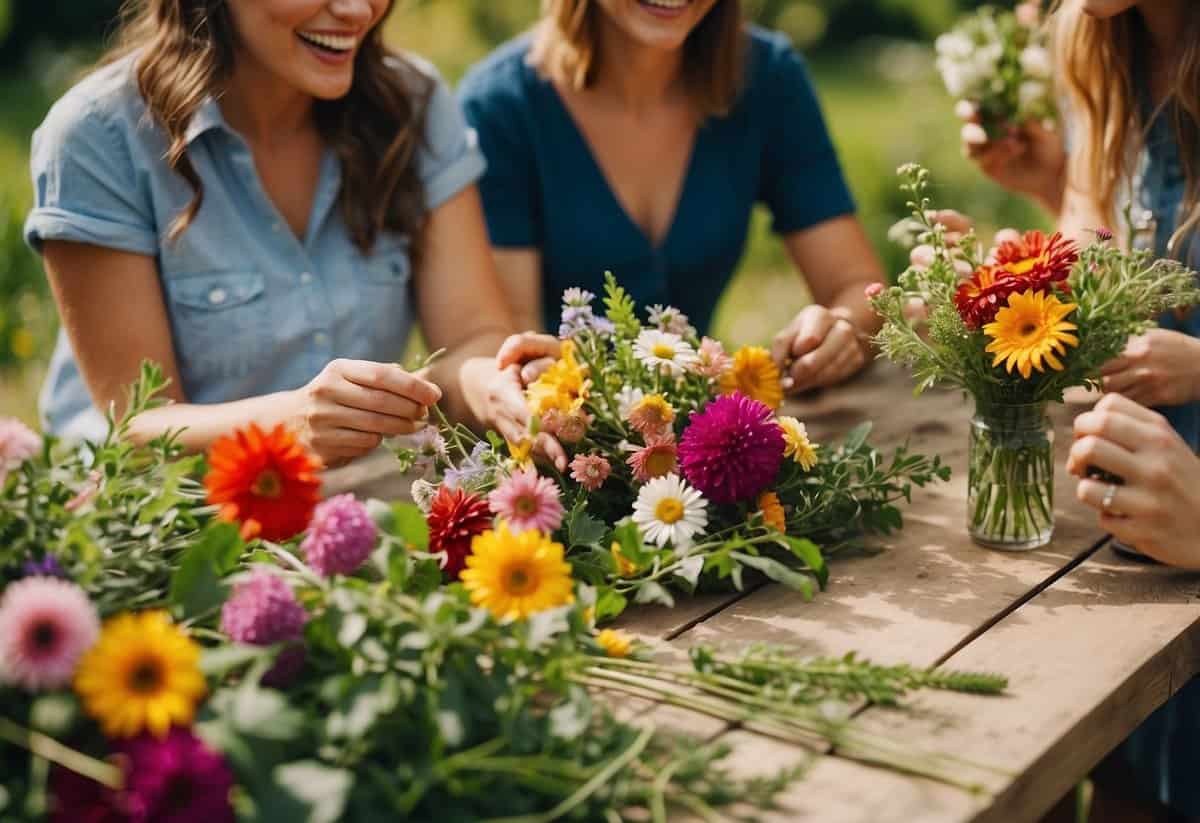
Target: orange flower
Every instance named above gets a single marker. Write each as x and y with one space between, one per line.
772 511
265 481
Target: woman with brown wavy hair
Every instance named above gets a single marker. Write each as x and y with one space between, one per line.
262 198
636 136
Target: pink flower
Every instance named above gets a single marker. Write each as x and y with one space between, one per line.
18 443
341 536
262 610
46 625
87 492
714 362
1104 234
590 471
657 459
731 451
569 428
873 290
528 502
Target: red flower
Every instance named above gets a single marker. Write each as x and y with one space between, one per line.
1039 261
265 481
455 516
979 298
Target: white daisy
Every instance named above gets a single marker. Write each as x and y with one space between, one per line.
664 351
422 492
668 509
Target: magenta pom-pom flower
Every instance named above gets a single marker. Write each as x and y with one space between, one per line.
46 625
178 778
340 537
528 501
731 451
263 610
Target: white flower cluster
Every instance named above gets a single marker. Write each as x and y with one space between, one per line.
996 63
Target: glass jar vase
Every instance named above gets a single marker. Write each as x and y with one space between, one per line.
1010 477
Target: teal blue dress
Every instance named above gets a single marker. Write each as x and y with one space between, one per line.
543 188
1165 751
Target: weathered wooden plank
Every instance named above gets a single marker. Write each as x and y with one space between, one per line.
1088 658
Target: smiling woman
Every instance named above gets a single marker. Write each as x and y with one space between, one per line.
261 197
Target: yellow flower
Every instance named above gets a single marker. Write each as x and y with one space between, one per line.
651 414
563 386
589 615
615 643
143 674
22 343
516 575
1029 329
755 375
796 443
772 511
521 452
625 566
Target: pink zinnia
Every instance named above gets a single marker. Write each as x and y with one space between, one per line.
590 471
46 625
714 361
732 449
18 443
263 610
657 459
341 536
527 502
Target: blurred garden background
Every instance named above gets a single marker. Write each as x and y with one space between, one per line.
872 61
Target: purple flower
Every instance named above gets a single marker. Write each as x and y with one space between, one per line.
263 610
48 566
731 450
471 472
177 778
340 537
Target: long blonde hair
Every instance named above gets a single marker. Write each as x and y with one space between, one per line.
184 52
565 49
1096 58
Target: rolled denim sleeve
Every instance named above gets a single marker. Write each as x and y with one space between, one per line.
85 184
449 159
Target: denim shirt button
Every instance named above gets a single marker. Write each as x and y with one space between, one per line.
306 278
218 296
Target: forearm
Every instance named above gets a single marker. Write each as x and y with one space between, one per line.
200 424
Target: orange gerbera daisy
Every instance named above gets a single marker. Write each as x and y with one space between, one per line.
266 481
1042 262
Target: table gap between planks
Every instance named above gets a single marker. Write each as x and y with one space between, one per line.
1092 642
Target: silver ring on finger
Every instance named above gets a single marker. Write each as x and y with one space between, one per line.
1110 492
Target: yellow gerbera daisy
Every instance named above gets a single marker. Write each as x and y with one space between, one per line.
1028 329
143 674
625 566
796 444
772 511
516 575
615 643
651 414
563 386
755 375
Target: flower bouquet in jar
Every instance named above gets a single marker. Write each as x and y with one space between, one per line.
1035 317
683 471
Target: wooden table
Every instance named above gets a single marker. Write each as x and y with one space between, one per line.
1091 642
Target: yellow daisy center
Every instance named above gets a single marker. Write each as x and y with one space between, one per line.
664 351
268 484
669 510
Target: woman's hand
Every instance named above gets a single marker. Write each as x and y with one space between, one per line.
521 360
1158 368
1157 508
820 347
346 410
531 352
1031 159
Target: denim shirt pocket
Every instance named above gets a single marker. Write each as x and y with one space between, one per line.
384 312
220 324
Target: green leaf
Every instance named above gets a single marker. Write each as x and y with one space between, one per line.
221 660
196 586
609 604
546 624
410 526
778 572
322 790
857 436
583 529
650 592
810 553
359 710
570 719
690 569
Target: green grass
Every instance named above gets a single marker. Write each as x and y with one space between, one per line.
882 101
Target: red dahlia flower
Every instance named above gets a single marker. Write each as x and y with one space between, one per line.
455 516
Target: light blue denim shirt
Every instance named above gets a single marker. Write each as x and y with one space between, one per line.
253 308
